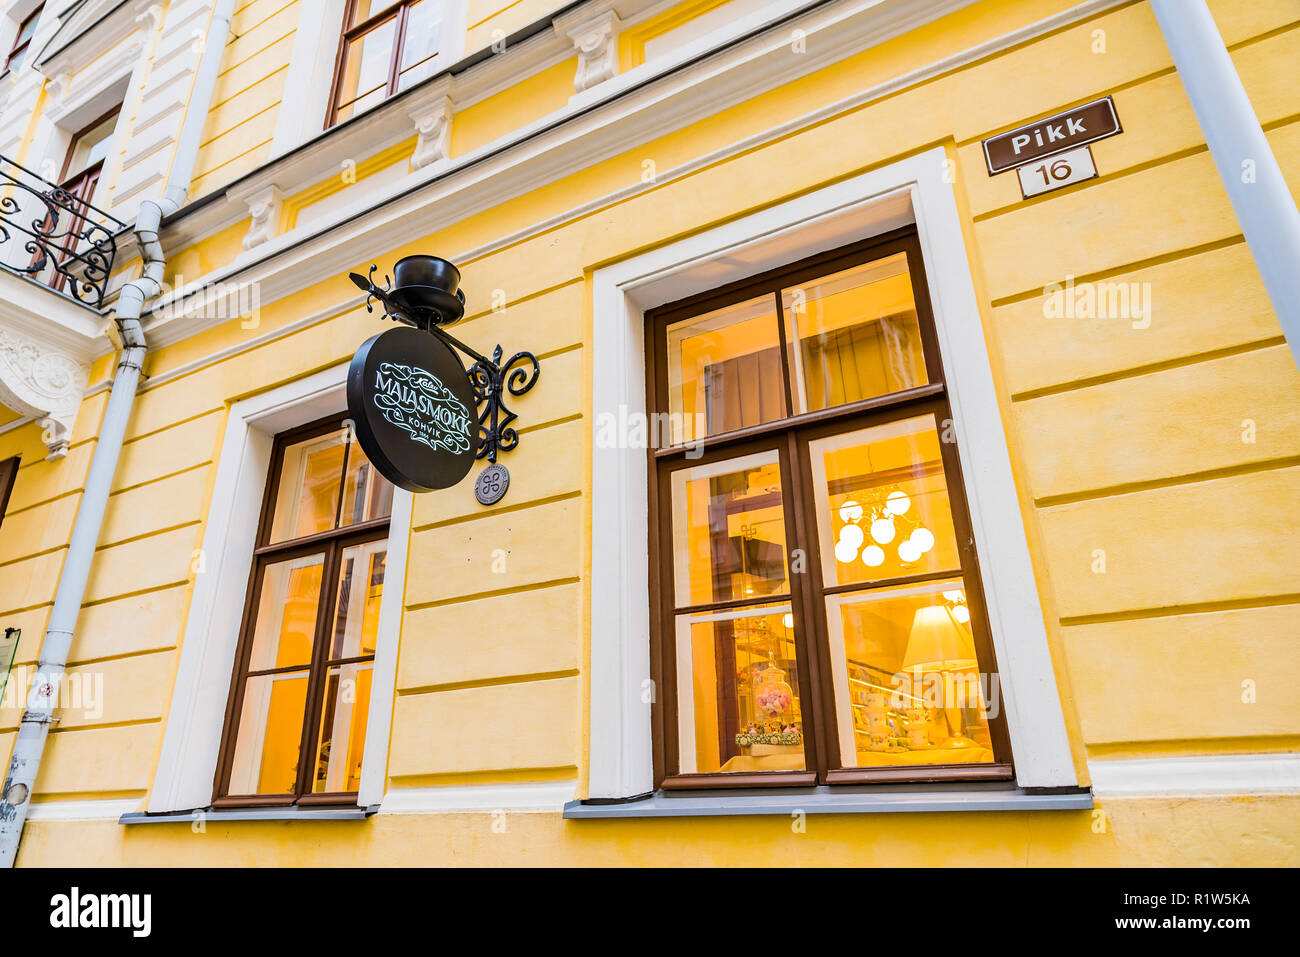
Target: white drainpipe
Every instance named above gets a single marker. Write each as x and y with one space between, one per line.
15 798
1264 206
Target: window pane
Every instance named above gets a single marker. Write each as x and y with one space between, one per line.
729 530
356 610
724 370
366 62
286 614
270 734
854 335
882 503
91 147
366 9
307 499
342 734
420 45
907 683
367 495
738 691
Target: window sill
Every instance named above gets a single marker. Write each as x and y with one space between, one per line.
840 800
250 814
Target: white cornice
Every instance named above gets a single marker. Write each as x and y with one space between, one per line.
647 102
1201 776
94 28
46 347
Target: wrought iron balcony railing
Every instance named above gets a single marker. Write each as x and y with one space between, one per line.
52 235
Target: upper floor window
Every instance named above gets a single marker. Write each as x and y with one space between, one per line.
23 39
8 474
387 46
296 719
817 610
84 163
82 168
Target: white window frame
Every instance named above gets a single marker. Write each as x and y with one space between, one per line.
196 716
914 190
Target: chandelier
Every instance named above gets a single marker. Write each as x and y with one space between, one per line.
884 521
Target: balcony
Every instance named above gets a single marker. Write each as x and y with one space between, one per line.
54 236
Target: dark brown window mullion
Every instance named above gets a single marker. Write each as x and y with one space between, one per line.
307 751
399 45
350 33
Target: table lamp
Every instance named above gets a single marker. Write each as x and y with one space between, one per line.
939 644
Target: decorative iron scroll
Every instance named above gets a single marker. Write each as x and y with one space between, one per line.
490 379
70 244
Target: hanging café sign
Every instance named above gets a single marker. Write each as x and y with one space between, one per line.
420 417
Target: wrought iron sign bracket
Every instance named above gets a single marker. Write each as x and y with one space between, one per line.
431 304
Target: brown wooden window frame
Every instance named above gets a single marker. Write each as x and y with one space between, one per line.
265 552
81 189
18 50
352 31
8 477
790 438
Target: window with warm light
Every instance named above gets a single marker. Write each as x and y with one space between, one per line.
306 652
817 614
387 46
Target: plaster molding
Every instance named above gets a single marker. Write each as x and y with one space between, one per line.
626 110
264 208
596 40
1201 775
40 380
93 29
432 115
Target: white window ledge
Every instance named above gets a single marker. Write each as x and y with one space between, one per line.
840 800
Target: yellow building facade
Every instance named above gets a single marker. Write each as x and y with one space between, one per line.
1115 417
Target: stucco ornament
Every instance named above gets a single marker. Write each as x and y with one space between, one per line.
264 207
38 381
597 43
433 125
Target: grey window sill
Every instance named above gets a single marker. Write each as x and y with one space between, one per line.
250 814
894 799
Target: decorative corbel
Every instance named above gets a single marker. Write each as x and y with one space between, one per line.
264 207
431 113
43 383
596 40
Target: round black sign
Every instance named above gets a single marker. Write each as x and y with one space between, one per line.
413 409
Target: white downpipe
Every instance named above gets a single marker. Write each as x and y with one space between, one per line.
1264 206
15 798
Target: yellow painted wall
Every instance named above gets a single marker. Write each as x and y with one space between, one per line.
246 102
1124 440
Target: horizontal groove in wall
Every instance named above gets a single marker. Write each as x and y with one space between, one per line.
1097 182
1173 481
1142 370
504 510
1170 611
562 773
495 593
1195 747
142 536
1160 260
136 594
161 478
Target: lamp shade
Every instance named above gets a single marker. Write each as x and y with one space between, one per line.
936 643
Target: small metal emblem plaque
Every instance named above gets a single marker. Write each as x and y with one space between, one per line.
491 484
